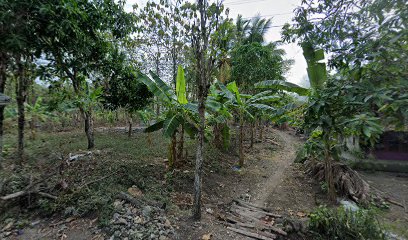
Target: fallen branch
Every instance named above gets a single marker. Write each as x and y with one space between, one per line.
394 202
134 201
14 195
47 195
249 234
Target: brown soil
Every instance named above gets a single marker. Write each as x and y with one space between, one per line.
270 178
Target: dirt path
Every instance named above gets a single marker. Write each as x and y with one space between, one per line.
280 161
268 176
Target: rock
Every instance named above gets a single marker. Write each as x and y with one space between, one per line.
116 216
122 221
209 211
7 227
163 237
167 223
348 205
138 220
135 192
147 211
117 233
117 204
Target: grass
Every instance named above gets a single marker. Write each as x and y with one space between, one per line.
93 184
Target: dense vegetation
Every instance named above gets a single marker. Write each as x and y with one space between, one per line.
203 78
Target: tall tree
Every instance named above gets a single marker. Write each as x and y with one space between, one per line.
206 22
19 47
77 37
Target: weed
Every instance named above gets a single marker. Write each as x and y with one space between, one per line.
344 224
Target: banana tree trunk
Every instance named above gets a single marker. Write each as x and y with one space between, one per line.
181 145
172 153
217 136
241 140
261 129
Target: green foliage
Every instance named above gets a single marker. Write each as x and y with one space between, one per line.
345 224
282 85
254 62
181 86
316 70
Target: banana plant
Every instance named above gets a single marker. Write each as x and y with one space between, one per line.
146 115
180 116
36 112
219 113
245 105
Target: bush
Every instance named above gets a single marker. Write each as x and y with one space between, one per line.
344 224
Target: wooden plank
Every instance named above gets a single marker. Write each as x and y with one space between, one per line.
249 234
257 208
259 211
261 223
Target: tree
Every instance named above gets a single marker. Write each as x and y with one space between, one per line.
367 42
75 38
205 23
246 105
20 46
122 89
254 62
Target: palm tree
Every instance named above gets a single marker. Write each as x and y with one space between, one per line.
258 29
241 28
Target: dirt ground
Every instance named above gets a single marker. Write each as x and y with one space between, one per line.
394 186
270 178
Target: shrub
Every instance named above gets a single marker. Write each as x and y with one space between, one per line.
344 224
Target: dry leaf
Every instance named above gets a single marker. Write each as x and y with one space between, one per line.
207 236
301 214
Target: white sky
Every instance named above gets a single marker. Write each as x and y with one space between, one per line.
281 12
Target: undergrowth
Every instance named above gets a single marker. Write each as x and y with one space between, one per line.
339 223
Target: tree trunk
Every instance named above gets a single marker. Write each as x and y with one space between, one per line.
328 169
181 145
261 129
89 128
199 160
241 140
32 128
3 75
21 94
172 153
252 134
130 121
217 136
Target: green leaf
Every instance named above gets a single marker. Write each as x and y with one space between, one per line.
155 88
162 85
282 85
181 86
155 127
171 124
232 86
